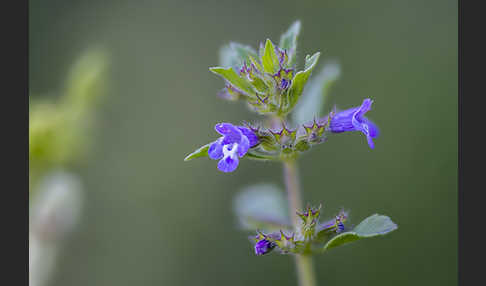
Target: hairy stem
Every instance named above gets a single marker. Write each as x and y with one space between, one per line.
305 268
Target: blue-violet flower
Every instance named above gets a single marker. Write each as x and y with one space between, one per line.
234 144
353 120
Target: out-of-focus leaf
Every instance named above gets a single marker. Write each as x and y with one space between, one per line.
235 54
201 152
372 226
300 79
270 59
288 41
262 206
86 83
232 77
59 130
315 93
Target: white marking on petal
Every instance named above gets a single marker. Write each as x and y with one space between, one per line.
230 152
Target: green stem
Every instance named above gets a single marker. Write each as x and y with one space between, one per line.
291 178
305 268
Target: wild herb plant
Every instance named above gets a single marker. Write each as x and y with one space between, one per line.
270 83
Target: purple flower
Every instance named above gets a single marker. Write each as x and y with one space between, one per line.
353 120
264 246
234 144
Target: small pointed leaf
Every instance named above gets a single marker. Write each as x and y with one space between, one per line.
270 59
232 77
201 152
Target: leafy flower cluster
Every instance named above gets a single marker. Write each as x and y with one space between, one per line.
308 238
268 81
313 236
262 209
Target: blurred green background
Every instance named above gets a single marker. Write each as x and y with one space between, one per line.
151 219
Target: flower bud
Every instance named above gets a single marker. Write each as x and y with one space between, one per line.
264 246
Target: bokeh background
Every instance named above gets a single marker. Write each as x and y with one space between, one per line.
149 218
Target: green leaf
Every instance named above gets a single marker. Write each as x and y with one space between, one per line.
315 94
235 54
299 81
372 226
232 77
262 206
270 59
201 152
288 41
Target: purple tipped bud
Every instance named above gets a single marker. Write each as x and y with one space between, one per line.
284 84
339 227
264 246
336 224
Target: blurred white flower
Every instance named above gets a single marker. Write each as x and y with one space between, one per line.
54 213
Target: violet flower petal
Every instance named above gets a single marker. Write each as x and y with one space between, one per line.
252 137
243 146
216 149
230 132
228 164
